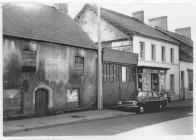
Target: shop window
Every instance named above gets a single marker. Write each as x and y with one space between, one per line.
124 79
172 87
190 80
131 74
142 50
172 55
163 53
153 52
79 64
29 53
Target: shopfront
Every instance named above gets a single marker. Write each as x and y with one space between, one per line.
151 78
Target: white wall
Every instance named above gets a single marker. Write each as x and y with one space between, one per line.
183 67
173 67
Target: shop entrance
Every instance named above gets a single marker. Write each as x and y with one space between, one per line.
154 82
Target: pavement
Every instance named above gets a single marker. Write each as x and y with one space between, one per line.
71 118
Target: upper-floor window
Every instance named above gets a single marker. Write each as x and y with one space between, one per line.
79 64
172 55
163 53
153 52
29 53
142 50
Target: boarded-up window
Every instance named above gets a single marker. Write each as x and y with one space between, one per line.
79 64
29 54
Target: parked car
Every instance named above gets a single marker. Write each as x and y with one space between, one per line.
141 101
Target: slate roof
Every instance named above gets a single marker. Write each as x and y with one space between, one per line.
43 23
130 23
178 37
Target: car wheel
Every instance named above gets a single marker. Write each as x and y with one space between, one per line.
140 110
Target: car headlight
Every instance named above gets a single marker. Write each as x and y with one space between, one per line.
135 103
119 102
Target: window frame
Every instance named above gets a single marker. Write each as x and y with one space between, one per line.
76 64
172 76
153 52
172 55
142 50
189 71
163 53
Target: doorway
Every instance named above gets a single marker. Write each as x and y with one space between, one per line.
154 82
41 102
182 85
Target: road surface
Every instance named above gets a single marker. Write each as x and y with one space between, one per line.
170 122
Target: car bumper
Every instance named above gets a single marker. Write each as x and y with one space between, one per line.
130 107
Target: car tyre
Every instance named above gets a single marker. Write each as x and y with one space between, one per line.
140 110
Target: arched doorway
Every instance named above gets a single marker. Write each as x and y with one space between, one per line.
41 102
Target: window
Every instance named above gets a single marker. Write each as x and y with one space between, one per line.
142 50
172 88
163 54
172 55
124 74
190 80
153 52
29 53
131 73
79 64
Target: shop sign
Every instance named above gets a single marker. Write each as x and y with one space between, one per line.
72 95
150 71
162 71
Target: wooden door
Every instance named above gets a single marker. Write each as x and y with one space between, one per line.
41 102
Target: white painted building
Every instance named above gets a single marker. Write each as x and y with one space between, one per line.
158 63
183 36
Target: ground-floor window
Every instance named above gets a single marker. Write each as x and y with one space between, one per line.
190 80
118 72
172 87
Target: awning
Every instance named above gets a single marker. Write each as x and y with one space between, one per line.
150 67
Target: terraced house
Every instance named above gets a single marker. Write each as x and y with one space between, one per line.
158 63
49 63
183 36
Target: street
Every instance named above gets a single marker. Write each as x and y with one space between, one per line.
176 121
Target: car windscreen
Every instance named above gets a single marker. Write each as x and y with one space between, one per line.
140 94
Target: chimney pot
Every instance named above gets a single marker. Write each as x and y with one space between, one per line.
160 22
184 31
139 15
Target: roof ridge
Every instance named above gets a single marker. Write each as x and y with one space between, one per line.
120 14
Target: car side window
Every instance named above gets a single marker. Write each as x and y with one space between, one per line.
155 95
150 95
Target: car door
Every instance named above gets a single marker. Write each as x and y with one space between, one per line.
150 101
156 100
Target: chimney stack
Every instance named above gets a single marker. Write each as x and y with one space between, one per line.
63 7
160 22
184 31
139 15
